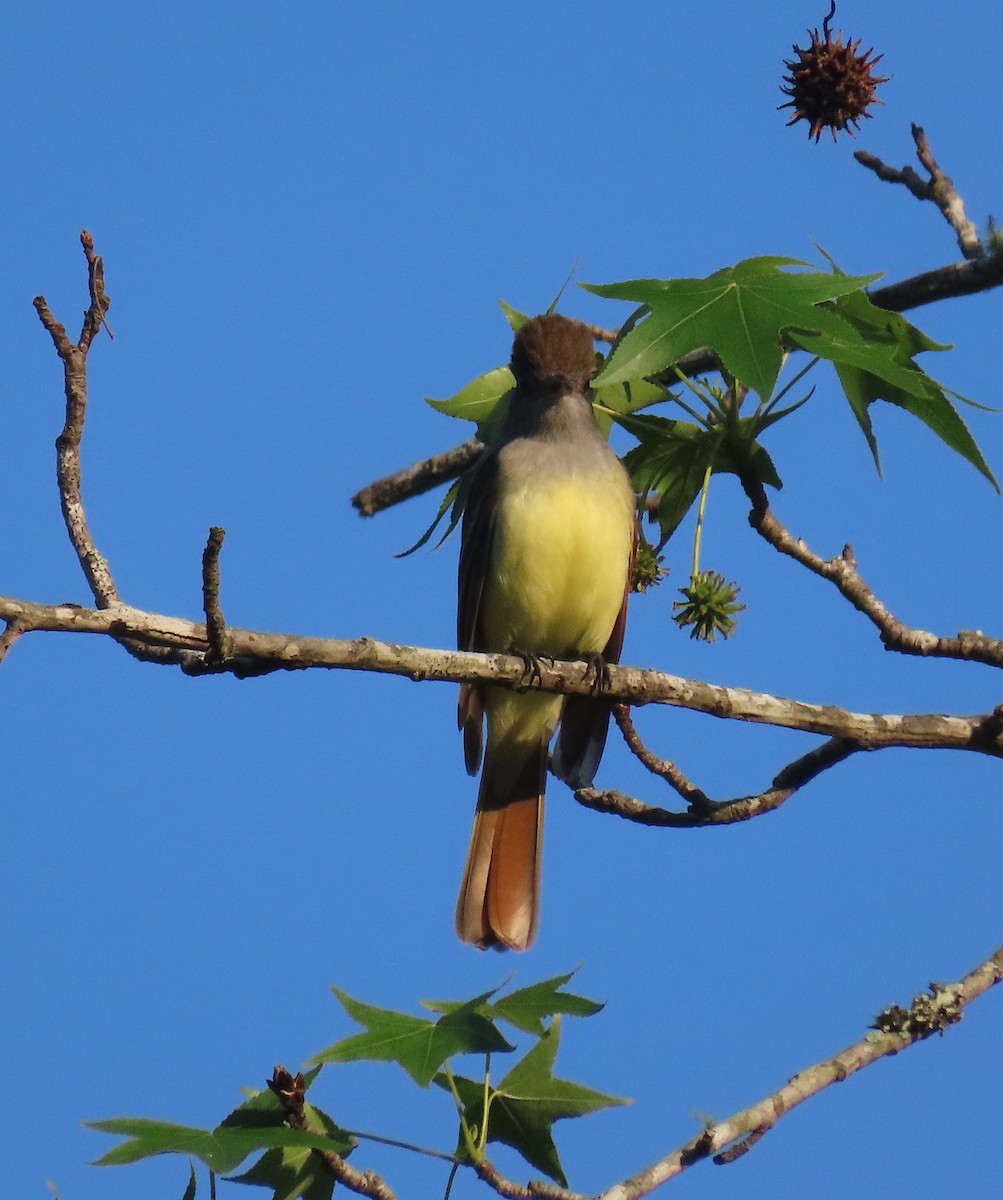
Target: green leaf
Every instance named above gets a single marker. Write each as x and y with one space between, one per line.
673 457
526 1007
449 501
515 318
220 1149
875 361
741 312
418 1045
525 1104
476 400
931 406
192 1187
292 1174
629 397
256 1124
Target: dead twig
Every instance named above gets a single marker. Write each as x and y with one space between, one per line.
662 767
416 479
215 622
841 571
703 811
938 188
73 356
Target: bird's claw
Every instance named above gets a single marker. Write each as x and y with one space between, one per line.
597 673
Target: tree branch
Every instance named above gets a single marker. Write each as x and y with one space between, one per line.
290 1092
702 810
417 479
841 572
74 359
895 1029
947 282
939 189
255 652
215 622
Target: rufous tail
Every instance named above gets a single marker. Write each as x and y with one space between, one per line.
499 903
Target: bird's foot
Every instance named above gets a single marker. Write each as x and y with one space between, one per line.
531 667
597 673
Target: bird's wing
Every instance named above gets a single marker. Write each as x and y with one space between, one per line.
475 555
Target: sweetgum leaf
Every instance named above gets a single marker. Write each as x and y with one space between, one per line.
417 1044
743 313
525 1104
222 1150
885 370
476 400
292 1174
672 458
515 318
526 1007
931 406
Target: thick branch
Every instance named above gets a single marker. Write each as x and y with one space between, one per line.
945 283
253 652
896 1028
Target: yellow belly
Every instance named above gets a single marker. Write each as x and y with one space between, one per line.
559 561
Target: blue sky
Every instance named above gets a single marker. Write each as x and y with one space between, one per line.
307 219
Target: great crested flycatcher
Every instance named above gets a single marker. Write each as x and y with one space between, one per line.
548 539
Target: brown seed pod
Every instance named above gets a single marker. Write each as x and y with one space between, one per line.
831 84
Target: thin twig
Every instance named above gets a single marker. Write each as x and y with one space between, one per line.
73 356
12 631
895 1029
416 479
703 811
534 1190
939 189
600 334
215 622
68 474
662 767
96 314
290 1091
841 571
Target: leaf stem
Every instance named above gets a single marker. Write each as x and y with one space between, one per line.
475 1151
704 394
766 407
698 533
482 1140
401 1145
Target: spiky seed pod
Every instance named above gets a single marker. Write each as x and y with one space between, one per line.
708 606
831 84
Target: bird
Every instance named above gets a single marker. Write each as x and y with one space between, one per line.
546 551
